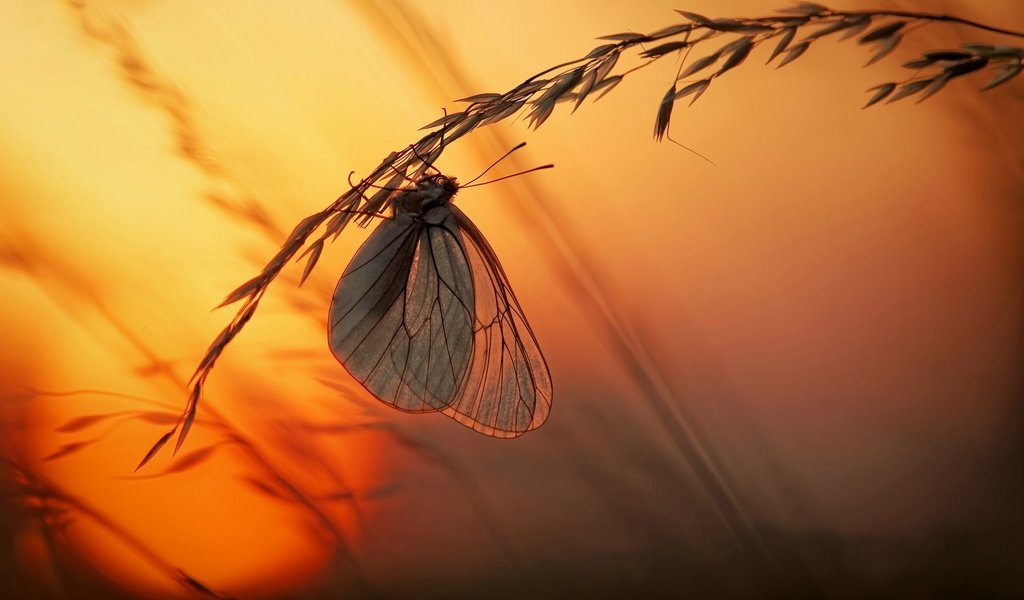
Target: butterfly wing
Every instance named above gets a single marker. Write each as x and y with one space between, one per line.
401 318
507 390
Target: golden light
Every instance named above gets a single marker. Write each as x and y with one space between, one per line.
762 366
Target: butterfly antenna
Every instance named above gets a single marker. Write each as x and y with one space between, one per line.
503 157
507 176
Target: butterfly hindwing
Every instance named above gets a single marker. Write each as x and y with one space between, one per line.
507 390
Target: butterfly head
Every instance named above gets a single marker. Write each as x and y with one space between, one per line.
439 186
431 191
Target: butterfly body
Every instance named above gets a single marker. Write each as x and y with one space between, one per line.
425 319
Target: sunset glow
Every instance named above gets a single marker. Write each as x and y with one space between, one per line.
798 366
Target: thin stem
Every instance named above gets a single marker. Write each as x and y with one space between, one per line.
931 17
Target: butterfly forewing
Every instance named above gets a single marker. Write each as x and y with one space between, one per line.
401 319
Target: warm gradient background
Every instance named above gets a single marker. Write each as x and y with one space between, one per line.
798 372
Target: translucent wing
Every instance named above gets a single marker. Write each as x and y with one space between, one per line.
507 390
401 319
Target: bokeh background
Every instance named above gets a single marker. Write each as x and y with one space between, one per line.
796 373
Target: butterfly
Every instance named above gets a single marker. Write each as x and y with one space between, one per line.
425 319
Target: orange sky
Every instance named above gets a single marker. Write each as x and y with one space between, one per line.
826 326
